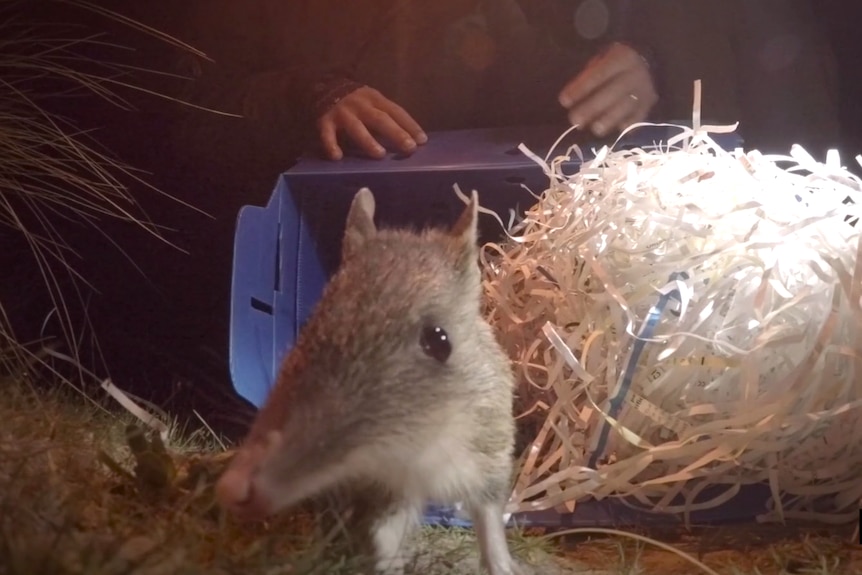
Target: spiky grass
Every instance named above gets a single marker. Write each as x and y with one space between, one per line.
51 172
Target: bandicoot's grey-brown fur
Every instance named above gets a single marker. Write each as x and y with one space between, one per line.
396 382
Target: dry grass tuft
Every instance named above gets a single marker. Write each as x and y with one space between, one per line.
52 174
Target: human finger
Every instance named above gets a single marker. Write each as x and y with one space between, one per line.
359 134
405 120
639 113
384 125
597 72
630 93
329 137
601 103
615 115
635 106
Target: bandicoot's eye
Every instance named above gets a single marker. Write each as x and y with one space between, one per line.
435 343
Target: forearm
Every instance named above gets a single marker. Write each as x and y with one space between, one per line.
261 67
242 70
625 30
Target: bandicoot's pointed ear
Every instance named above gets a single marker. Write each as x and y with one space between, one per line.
465 231
360 222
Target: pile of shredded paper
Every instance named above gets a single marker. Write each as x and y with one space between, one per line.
684 317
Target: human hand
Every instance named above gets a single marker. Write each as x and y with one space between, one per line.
615 90
361 112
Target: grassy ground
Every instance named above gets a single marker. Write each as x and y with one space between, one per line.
83 492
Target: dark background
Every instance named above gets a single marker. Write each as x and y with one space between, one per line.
163 336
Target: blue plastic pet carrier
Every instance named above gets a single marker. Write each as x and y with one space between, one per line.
285 252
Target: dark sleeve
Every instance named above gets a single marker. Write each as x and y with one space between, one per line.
277 62
239 41
787 76
625 29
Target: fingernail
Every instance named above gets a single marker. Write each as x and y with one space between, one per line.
422 138
565 101
599 129
408 144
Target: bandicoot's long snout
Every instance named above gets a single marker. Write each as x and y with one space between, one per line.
238 489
